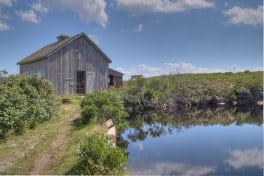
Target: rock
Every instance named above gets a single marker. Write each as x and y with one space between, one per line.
258 95
260 103
112 134
219 101
234 102
109 123
245 98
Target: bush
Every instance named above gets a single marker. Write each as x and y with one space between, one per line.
140 91
101 106
98 157
24 102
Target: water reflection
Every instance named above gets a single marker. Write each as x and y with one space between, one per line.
196 142
167 168
245 158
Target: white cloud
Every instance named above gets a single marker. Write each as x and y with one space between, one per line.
29 15
140 146
4 16
39 8
139 28
142 69
33 14
252 157
88 10
236 68
4 27
176 68
258 69
170 168
6 2
94 38
249 16
189 68
163 6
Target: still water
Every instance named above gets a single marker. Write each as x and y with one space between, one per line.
211 142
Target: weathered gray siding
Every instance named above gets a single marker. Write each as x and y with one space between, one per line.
79 55
39 67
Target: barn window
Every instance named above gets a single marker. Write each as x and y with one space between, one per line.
41 71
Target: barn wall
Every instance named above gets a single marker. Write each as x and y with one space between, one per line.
79 55
118 81
39 67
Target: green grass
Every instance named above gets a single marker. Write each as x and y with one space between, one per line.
22 152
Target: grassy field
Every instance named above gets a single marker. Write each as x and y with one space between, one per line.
50 148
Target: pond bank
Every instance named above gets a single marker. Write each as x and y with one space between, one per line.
180 103
111 131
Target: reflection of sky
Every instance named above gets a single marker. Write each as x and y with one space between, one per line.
167 168
245 158
139 145
199 151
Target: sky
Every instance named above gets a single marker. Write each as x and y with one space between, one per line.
148 37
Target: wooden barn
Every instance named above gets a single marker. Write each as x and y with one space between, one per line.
115 78
75 65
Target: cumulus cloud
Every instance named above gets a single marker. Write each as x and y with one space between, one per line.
258 69
252 157
163 6
139 28
176 68
39 8
237 68
249 16
4 27
140 146
171 168
6 2
4 16
88 10
189 68
29 15
142 69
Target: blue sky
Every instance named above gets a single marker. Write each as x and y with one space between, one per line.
149 37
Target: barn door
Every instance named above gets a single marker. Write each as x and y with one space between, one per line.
81 82
90 82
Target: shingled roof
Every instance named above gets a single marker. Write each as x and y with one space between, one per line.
53 47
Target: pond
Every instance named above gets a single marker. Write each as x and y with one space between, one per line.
197 142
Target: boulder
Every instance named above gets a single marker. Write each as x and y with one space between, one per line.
219 101
260 103
258 95
109 123
245 98
112 134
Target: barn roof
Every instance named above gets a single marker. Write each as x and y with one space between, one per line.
114 72
53 47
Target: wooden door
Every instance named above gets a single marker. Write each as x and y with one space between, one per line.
81 84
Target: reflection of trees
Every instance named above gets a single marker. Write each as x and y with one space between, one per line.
154 124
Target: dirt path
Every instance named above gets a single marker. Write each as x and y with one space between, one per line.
47 158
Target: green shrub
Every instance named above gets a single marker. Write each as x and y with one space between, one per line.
139 91
24 102
101 106
98 157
